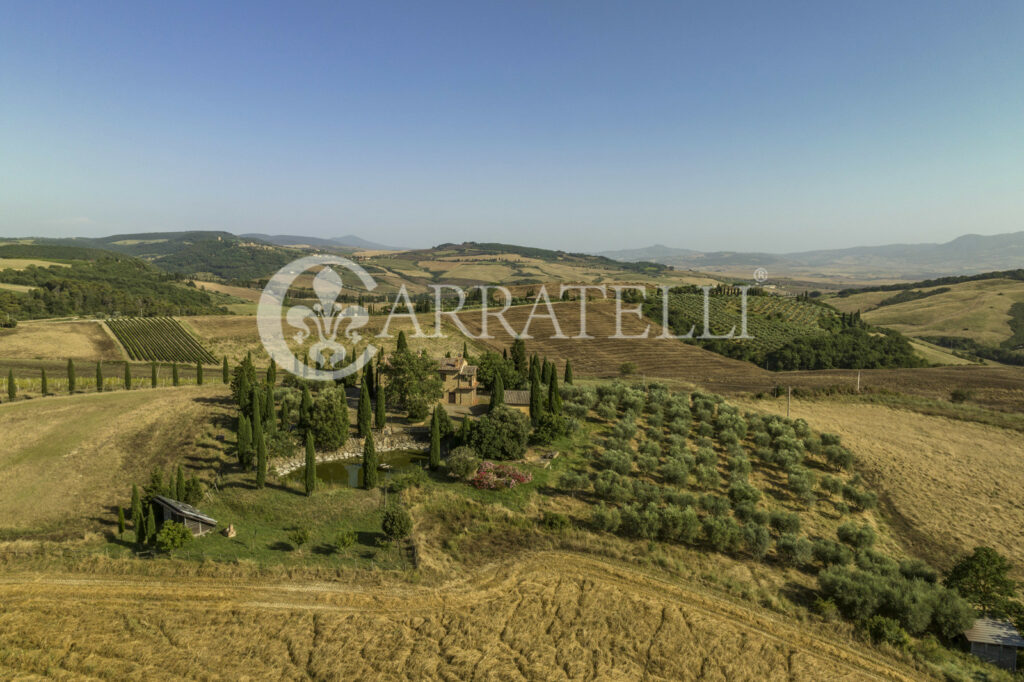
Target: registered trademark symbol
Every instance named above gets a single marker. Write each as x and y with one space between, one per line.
760 275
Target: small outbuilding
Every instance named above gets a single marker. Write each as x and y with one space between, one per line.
995 641
165 509
518 400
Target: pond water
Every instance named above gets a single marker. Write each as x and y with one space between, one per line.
350 472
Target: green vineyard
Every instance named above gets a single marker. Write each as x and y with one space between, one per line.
162 339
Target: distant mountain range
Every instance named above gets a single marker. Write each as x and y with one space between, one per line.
964 255
350 241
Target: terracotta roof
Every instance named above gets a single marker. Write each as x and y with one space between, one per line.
451 364
517 397
991 631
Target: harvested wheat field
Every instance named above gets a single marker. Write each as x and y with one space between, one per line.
69 460
84 340
946 485
244 293
548 616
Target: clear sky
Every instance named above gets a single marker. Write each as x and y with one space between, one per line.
585 125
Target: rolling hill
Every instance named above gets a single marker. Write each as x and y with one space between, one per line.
964 255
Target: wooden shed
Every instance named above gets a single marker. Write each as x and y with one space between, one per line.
995 641
165 509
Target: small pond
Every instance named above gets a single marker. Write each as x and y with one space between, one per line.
349 472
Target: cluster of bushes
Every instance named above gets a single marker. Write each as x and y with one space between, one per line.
491 476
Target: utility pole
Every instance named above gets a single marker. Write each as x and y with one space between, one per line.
789 399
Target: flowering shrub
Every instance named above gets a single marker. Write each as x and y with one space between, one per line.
491 476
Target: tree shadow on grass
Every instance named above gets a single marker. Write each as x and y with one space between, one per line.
281 546
325 549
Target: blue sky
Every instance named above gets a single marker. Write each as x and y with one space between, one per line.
772 126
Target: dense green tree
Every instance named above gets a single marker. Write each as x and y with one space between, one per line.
127 377
497 394
435 439
310 465
199 373
983 578
272 372
364 413
267 403
257 434
174 374
568 374
305 409
465 428
244 441
152 374
402 345
261 461
172 535
99 377
225 374
502 434
329 420
554 395
71 376
369 463
370 376
12 388
396 524
137 519
150 526
242 381
519 361
44 387
491 365
380 411
413 383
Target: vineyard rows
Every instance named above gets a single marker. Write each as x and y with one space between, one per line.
771 320
159 338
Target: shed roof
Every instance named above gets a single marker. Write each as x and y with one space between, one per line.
517 397
184 509
991 631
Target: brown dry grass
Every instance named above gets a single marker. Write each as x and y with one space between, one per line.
69 460
947 485
546 616
85 340
22 263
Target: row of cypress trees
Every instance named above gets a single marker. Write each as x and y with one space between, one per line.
12 386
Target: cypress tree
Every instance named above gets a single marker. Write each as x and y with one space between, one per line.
136 510
567 379
99 378
152 374
464 429
261 461
371 379
150 526
547 369
199 373
380 414
257 433
244 442
45 388
269 416
127 377
402 343
435 439
120 521
497 394
369 463
71 376
225 375
554 396
310 464
174 373
365 412
465 350
305 409
179 485
285 415
536 399
272 372
12 388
